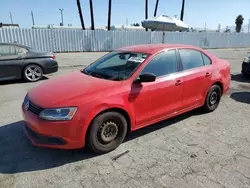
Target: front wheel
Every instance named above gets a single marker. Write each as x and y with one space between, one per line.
107 132
213 98
32 73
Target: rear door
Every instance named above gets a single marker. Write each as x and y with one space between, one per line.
197 72
11 61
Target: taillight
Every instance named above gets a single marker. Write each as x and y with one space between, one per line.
52 56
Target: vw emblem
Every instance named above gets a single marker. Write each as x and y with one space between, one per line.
26 105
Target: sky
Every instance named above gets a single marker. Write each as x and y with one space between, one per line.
197 12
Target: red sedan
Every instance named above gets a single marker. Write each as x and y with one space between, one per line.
127 89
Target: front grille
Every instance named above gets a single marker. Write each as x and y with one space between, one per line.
32 133
34 108
42 139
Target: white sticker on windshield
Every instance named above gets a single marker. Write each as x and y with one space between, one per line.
136 59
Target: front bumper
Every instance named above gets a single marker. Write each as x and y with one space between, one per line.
43 139
245 68
53 134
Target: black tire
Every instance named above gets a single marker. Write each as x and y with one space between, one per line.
38 73
100 141
246 75
213 98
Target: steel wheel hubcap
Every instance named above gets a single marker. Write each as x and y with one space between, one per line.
213 98
108 131
33 73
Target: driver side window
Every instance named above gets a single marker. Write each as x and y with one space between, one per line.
162 64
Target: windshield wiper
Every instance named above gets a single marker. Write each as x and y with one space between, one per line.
94 74
117 78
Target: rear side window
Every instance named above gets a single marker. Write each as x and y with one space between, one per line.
206 59
191 59
7 50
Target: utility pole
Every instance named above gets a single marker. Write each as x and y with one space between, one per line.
248 26
109 14
182 9
146 11
33 20
91 15
80 13
61 16
156 7
11 18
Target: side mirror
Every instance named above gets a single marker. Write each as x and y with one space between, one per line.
145 77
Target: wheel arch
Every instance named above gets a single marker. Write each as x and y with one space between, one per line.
219 83
112 109
205 106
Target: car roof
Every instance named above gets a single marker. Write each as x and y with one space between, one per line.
154 48
16 44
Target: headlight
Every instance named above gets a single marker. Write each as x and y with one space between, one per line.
246 60
58 114
26 98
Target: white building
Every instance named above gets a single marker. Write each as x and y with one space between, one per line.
117 28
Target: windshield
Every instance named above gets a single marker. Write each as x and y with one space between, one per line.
116 65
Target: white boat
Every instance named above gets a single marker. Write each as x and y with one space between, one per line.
165 23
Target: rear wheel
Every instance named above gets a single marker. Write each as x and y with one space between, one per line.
245 74
107 132
32 73
213 98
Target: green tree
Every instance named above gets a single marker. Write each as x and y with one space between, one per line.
239 21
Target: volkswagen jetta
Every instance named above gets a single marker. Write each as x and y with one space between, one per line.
127 89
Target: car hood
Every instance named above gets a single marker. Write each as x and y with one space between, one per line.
55 92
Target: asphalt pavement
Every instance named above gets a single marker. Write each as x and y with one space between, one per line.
193 150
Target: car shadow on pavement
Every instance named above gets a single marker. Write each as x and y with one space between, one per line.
162 124
240 78
243 97
19 81
18 155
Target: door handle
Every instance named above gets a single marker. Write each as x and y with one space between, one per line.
207 74
178 82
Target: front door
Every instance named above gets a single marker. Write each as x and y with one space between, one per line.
197 72
162 97
10 62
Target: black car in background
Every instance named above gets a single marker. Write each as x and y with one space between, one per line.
245 70
22 62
